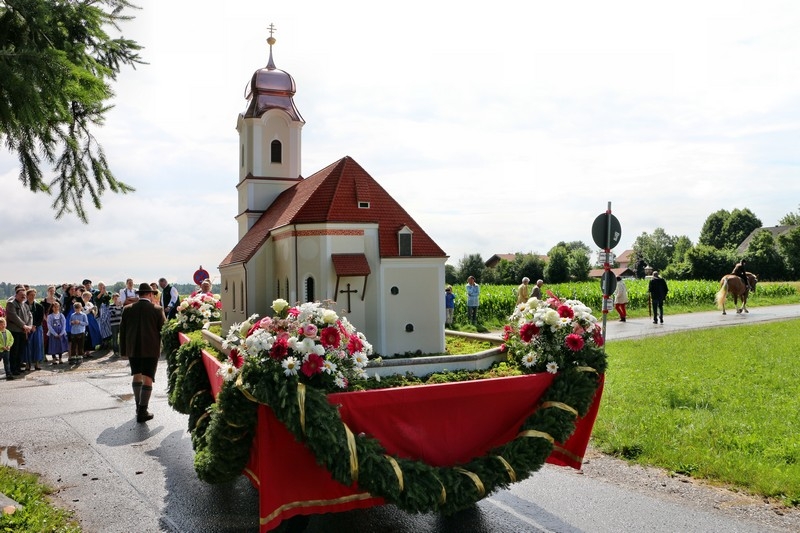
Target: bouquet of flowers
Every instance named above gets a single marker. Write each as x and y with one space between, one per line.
195 311
309 343
551 335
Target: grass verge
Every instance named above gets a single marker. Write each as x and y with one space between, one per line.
36 514
719 404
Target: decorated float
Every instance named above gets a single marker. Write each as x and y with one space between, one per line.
290 401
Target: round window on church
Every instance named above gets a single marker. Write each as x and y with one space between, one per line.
394 290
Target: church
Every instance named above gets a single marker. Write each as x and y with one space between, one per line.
336 235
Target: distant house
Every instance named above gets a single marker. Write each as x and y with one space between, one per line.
496 258
775 230
625 259
621 272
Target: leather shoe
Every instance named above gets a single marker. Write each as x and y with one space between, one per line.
9 377
143 415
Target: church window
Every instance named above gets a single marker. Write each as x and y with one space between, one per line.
404 241
276 155
363 205
234 295
241 157
277 288
310 289
241 296
287 288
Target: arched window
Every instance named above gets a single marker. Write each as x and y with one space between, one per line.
233 307
277 288
310 289
404 241
287 288
276 152
241 296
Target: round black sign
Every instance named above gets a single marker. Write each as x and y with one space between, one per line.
608 283
602 238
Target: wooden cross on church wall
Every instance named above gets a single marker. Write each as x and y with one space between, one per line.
348 291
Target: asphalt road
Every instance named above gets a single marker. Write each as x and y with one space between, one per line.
76 428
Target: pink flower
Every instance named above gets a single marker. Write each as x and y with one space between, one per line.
503 348
507 332
294 311
236 358
310 330
527 331
574 342
218 305
330 337
354 344
253 328
565 311
312 365
265 323
279 348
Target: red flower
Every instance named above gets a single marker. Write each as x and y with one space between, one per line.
253 328
565 311
279 348
507 332
527 331
329 338
574 342
236 358
218 305
354 344
312 365
294 311
597 336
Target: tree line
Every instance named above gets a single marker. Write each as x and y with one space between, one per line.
676 256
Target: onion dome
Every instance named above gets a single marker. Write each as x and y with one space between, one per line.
271 88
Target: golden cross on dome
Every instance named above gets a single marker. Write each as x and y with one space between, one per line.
271 39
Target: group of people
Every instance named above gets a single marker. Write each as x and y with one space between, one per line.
658 289
82 319
473 298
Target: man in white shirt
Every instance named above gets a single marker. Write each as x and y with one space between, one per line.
127 295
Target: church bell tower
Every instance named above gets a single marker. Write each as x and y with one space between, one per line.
269 141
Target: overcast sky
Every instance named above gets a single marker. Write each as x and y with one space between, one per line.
499 127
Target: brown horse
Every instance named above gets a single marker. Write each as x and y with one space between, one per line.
734 285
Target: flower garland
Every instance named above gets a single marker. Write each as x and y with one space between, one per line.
222 432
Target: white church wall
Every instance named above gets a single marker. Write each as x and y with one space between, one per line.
412 317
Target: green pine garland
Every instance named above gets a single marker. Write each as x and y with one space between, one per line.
222 434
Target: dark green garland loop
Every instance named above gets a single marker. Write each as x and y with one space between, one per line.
222 435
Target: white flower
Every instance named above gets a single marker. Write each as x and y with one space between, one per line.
290 365
552 367
340 381
227 371
529 359
329 367
377 377
360 359
279 305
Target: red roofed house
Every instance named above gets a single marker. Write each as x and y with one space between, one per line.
336 235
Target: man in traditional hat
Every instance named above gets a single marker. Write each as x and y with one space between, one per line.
140 342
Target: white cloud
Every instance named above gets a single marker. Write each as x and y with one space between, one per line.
499 130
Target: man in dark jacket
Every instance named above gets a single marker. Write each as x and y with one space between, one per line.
740 269
140 341
658 293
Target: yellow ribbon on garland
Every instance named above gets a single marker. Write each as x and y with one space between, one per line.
475 479
511 474
534 433
560 405
301 404
585 369
351 446
397 471
243 389
188 368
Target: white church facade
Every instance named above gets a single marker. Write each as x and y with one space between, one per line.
335 235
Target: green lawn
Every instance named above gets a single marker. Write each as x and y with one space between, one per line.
720 404
37 514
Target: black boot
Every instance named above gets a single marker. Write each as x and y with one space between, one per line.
137 392
142 414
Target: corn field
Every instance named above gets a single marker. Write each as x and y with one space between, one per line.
498 301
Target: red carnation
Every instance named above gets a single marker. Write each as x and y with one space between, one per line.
574 342
312 365
329 338
565 311
507 332
279 348
354 344
527 331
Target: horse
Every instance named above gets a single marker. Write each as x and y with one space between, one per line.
734 285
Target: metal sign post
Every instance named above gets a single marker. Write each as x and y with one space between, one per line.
606 232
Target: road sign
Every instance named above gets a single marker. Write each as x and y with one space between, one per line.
608 283
609 257
200 275
600 231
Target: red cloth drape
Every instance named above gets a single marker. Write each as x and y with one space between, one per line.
442 424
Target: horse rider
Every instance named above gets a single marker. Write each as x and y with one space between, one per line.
741 270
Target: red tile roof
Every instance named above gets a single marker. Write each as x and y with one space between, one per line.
350 264
333 195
